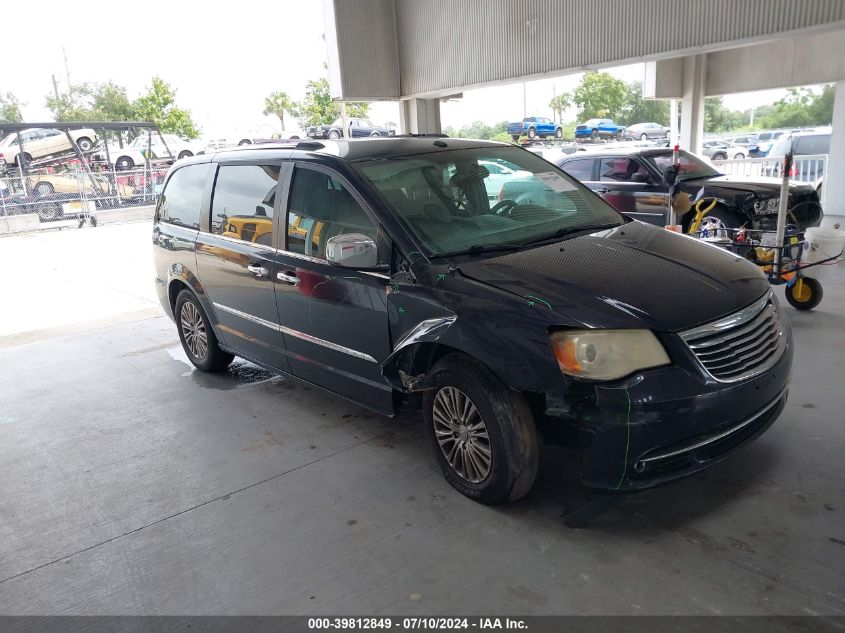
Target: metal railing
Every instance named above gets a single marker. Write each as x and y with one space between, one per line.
54 194
807 169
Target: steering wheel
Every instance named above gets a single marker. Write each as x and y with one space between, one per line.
504 207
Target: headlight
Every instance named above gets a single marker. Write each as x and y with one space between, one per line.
607 354
770 205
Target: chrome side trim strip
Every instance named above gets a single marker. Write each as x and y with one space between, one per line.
716 438
297 333
737 318
235 240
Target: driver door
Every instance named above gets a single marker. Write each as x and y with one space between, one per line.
334 319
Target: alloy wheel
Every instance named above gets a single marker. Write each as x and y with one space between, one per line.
462 434
193 329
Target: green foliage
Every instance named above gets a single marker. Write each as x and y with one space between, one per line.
318 108
108 102
159 106
639 110
800 108
278 104
717 118
358 110
599 95
481 130
560 103
10 108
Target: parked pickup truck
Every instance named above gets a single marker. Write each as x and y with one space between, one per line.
534 126
599 128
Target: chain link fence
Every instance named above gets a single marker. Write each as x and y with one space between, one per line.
56 194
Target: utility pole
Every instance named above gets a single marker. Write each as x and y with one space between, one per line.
55 86
751 122
524 101
67 69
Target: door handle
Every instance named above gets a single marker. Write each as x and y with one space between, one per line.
258 271
288 277
601 190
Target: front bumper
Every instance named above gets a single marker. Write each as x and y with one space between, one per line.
668 423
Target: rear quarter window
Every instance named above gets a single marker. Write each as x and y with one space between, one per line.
181 200
816 144
580 169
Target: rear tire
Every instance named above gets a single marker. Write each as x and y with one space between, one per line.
124 162
808 298
197 336
485 440
185 154
720 156
739 156
515 137
334 134
49 211
643 136
594 135
532 133
84 144
558 133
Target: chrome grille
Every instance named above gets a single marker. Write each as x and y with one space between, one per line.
741 345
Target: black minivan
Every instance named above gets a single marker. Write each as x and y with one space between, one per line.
382 271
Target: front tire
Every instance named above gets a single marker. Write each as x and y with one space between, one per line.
594 135
483 433
84 144
49 211
197 336
185 154
532 133
558 133
515 137
739 156
123 163
806 296
720 156
334 135
643 136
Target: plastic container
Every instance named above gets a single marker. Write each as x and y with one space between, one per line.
821 244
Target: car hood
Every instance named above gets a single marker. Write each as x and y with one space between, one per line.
634 275
742 183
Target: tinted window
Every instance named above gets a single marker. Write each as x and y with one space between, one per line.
818 144
582 169
181 199
242 206
320 208
620 169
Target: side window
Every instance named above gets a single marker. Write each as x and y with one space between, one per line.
320 208
493 168
181 199
621 170
819 144
580 169
242 206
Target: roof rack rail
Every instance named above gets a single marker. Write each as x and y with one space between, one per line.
309 145
431 135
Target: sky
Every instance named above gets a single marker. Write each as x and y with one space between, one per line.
223 66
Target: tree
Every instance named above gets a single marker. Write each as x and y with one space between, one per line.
159 106
318 108
560 103
358 110
639 110
10 108
717 118
278 104
599 95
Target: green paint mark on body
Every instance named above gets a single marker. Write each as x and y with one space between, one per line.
532 299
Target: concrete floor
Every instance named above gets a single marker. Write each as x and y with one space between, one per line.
131 484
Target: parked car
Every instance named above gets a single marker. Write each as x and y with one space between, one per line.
533 127
748 141
814 142
632 181
357 127
505 321
134 154
599 128
644 131
44 142
291 133
766 139
720 149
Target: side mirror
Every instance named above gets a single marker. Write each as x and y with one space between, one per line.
670 174
640 177
354 250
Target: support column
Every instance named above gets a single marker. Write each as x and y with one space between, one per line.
692 103
834 177
420 116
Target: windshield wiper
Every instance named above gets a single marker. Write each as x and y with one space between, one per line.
591 228
476 249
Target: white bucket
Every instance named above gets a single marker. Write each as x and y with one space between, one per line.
821 244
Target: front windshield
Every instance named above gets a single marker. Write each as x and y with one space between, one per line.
689 166
457 200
